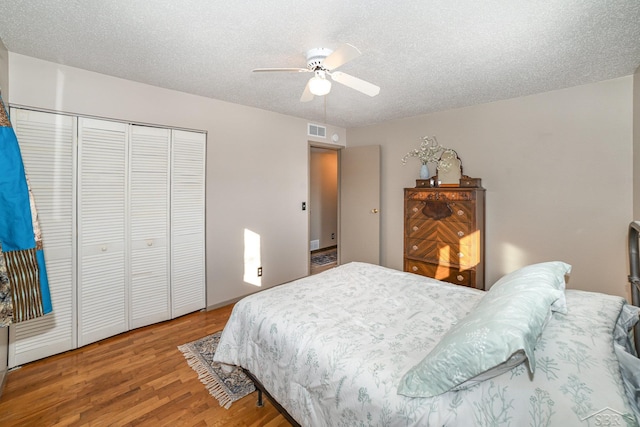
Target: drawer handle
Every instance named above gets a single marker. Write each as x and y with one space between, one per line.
104 249
415 247
460 233
460 255
460 212
414 268
416 228
460 277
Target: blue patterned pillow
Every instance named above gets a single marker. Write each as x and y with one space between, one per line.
491 339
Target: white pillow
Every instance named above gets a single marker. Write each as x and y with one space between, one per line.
498 334
543 274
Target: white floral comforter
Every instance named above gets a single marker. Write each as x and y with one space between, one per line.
331 348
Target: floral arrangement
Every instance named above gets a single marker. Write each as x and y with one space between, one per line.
429 151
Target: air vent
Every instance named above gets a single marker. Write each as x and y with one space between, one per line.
317 130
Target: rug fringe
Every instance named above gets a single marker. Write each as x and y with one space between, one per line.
210 382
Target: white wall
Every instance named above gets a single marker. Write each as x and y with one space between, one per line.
257 164
636 144
557 167
4 71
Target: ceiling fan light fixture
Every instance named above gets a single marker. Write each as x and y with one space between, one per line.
322 62
319 86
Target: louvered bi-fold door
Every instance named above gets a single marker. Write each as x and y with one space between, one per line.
187 222
102 260
47 145
149 213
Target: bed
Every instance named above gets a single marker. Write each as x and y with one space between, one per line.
364 345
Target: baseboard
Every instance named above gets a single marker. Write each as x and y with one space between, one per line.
235 300
3 380
327 248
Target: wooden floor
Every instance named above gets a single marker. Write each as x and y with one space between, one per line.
138 378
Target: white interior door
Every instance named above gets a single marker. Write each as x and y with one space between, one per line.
360 204
103 260
48 152
149 218
187 222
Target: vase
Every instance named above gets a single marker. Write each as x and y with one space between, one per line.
424 171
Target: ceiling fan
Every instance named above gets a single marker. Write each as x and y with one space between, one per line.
322 62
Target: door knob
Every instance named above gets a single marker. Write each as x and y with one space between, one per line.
374 210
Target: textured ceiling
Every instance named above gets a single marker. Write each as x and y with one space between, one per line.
426 55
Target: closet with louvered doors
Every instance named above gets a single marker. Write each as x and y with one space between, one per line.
118 185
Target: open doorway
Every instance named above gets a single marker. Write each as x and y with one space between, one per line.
323 209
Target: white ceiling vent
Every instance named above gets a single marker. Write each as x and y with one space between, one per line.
317 130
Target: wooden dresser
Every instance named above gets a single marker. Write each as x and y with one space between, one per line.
444 234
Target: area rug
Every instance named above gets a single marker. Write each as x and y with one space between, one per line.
225 386
324 258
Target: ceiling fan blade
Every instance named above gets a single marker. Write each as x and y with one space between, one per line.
306 95
355 83
288 70
340 56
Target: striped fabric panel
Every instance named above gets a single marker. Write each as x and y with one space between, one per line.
4 117
23 272
6 305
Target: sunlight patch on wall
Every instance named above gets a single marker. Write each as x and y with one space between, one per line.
513 257
252 260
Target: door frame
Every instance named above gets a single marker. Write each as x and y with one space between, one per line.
332 147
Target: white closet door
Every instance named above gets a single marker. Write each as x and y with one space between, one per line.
102 260
187 222
47 145
149 219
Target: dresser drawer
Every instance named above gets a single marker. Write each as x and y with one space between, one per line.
422 249
438 230
440 194
442 252
440 272
440 210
